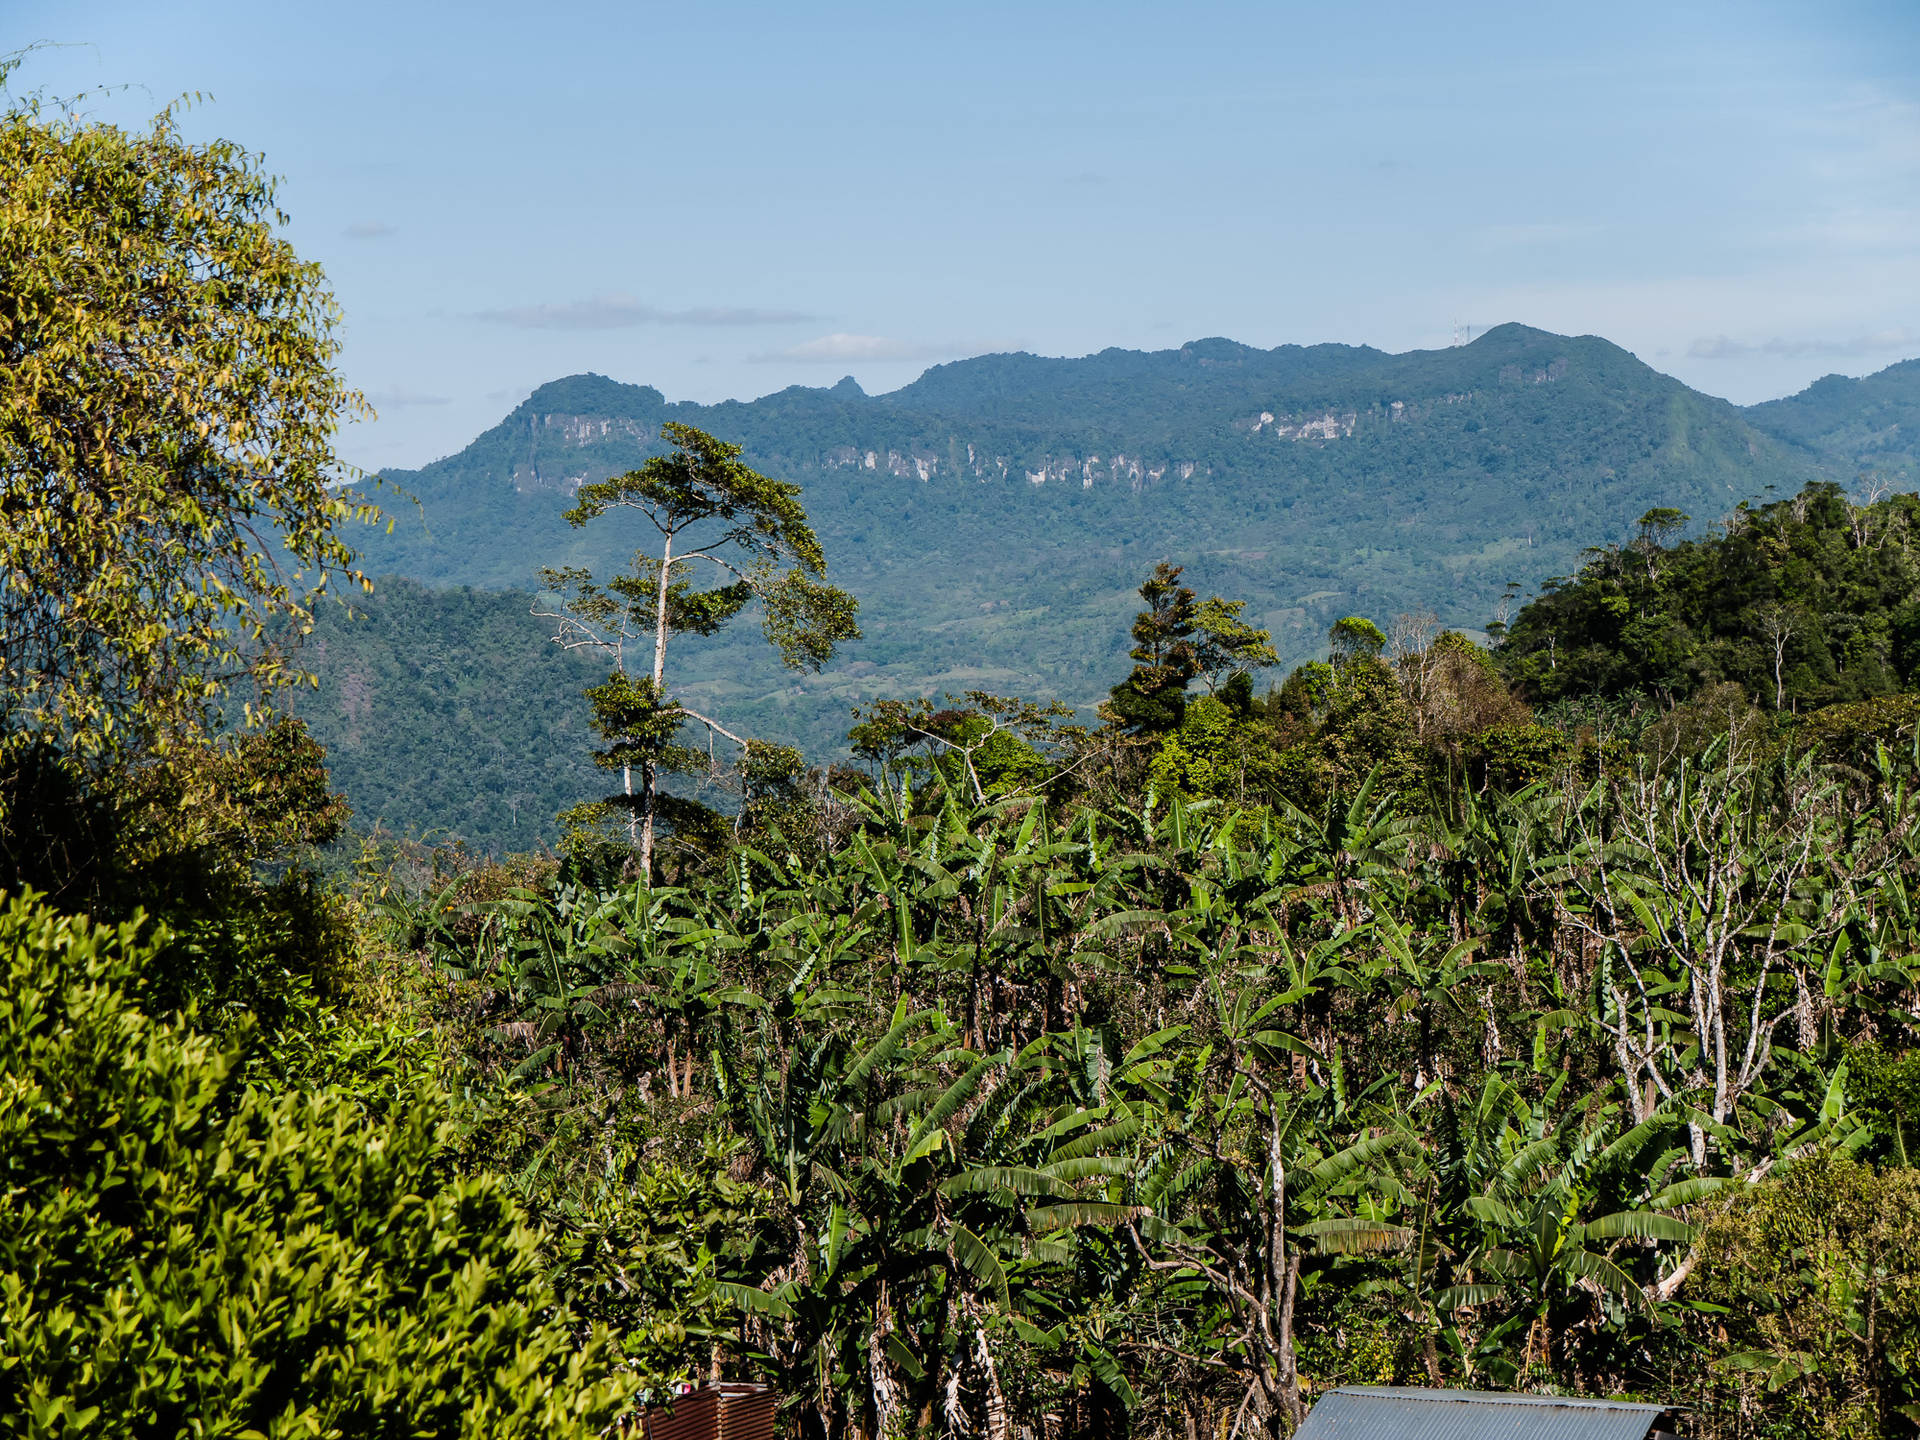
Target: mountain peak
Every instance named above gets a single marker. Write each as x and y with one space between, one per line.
1509 332
1870 425
1218 350
592 394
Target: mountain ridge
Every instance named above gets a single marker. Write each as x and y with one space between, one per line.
995 516
1117 414
1871 422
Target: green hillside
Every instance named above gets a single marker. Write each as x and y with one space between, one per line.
1805 603
449 713
1865 426
995 516
1415 469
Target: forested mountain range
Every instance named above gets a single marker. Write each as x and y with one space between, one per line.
1540 1015
1869 426
995 516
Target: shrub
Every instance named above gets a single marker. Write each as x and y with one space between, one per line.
180 1253
1851 734
1817 1273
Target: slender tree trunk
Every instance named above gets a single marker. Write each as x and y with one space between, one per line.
633 816
888 1408
1289 1363
973 991
659 676
646 820
998 1423
660 615
1283 1273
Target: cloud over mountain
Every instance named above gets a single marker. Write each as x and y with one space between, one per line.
399 397
624 312
839 347
1880 342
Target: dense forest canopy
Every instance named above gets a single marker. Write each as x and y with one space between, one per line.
1869 426
1801 603
1398 1009
166 384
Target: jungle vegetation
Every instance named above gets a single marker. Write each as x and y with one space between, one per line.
1429 1014
995 516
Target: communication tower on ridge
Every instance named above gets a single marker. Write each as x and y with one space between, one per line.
1462 334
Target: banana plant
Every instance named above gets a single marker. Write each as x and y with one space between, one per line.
1516 1195
918 1175
1252 1179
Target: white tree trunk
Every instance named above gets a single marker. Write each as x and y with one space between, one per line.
659 677
889 1422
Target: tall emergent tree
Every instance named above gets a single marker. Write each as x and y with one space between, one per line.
167 417
707 507
1176 639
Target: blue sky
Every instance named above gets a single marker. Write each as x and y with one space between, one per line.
724 199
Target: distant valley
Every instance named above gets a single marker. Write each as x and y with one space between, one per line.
995 516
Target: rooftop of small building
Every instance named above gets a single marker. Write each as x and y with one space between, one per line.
1381 1412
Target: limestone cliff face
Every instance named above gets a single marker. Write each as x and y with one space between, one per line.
562 452
1305 465
559 450
551 436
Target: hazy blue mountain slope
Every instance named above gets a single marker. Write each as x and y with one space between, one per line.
1404 476
1869 425
450 713
1207 380
995 516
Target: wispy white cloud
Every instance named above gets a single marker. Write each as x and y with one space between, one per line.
1869 139
623 312
398 397
1881 342
370 230
839 348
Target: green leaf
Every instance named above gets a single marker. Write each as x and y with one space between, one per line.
1080 1212
1348 1236
1459 1297
1604 1273
1014 1179
1638 1225
979 1261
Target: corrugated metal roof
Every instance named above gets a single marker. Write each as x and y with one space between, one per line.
1378 1412
721 1411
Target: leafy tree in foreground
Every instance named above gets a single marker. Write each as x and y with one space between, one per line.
168 523
706 506
1815 1275
167 418
179 1254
